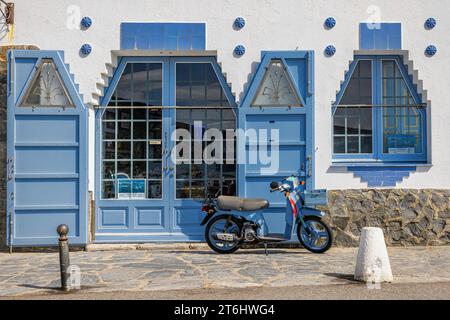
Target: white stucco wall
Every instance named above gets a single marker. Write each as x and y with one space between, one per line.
270 25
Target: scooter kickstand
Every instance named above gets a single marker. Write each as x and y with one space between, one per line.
265 248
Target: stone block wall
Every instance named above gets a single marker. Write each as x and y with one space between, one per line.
407 217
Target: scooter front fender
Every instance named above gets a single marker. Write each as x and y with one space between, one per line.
308 212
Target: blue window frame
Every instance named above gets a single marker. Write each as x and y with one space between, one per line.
378 114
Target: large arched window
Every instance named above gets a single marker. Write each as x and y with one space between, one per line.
378 114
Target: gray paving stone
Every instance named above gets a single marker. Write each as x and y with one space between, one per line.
23 273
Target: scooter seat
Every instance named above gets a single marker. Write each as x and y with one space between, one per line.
241 204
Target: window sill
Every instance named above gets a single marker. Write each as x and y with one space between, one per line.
380 164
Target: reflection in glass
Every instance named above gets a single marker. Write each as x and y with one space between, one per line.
401 123
197 85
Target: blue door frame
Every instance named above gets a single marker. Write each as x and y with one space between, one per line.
47 158
296 127
179 218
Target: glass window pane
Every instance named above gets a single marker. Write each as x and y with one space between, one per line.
197 85
139 130
110 114
198 171
124 150
359 88
339 125
365 69
155 114
339 145
154 170
123 169
109 150
108 190
366 120
352 144
388 69
123 89
109 130
366 144
124 114
401 129
124 130
213 187
139 149
154 190
154 130
183 171
198 189
139 114
154 151
139 169
229 187
352 125
109 169
183 189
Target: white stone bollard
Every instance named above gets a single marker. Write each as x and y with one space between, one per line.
372 263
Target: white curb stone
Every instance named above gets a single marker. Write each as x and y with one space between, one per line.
372 263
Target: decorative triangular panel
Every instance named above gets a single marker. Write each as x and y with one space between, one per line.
395 89
359 88
276 88
46 89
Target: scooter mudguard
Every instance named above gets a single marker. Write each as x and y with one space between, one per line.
307 212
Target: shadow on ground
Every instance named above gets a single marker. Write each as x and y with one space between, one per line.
342 276
243 251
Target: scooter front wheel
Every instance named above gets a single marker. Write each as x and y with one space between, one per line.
223 225
315 235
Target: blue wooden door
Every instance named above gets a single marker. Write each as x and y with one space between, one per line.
167 93
201 100
132 149
47 144
277 111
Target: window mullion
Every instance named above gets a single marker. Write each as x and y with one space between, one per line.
377 113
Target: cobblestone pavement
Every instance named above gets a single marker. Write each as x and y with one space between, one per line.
171 269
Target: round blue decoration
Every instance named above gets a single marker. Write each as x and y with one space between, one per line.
86 49
330 22
239 50
239 22
86 22
431 50
330 50
430 23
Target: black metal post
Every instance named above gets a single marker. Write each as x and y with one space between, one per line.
64 261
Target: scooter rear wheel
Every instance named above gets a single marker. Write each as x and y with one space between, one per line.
319 239
223 224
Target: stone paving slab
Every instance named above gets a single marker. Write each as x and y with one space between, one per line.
173 268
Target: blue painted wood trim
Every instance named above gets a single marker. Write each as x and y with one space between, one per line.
14 97
308 109
377 124
168 203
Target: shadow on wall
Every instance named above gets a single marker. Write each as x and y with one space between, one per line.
251 75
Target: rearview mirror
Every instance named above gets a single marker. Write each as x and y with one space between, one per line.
274 185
